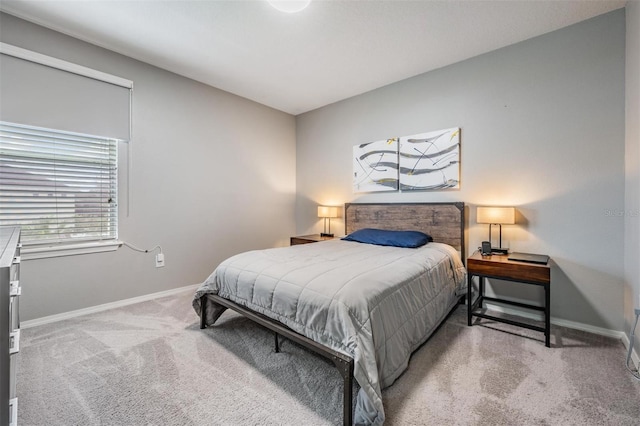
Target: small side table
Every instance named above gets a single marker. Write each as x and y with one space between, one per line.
306 239
500 267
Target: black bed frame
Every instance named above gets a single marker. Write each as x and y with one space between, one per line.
343 363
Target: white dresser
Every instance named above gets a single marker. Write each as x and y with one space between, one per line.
10 291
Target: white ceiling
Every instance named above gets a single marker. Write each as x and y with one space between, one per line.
330 51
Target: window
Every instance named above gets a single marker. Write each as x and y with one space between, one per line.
58 180
60 187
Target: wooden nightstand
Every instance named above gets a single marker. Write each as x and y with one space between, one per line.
498 266
306 239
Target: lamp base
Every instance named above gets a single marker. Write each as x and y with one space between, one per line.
499 250
324 234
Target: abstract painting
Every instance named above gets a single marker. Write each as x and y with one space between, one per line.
430 161
375 166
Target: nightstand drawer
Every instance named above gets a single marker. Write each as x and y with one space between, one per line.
306 239
296 241
501 268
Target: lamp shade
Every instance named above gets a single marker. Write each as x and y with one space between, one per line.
496 215
327 211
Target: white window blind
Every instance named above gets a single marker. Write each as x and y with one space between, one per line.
60 187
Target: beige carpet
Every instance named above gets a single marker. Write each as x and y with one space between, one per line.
150 364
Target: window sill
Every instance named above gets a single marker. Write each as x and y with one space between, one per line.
44 252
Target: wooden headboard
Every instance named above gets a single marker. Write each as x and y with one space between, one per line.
443 221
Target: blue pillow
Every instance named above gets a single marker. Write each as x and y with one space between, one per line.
381 237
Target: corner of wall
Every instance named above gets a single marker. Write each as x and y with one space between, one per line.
632 164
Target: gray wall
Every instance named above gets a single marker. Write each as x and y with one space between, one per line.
542 129
211 175
632 168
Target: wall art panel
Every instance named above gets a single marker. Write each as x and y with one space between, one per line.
430 161
375 166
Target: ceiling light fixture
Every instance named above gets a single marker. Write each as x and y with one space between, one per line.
289 6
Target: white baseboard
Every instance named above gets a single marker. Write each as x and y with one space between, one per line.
99 308
120 303
558 321
635 358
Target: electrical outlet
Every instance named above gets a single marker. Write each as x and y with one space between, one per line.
159 260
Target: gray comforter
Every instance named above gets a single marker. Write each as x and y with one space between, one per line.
376 304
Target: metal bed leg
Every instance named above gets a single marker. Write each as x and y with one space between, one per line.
346 371
547 315
347 416
277 344
203 312
469 298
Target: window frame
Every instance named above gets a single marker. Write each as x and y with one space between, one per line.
89 169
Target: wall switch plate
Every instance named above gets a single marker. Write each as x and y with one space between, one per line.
159 260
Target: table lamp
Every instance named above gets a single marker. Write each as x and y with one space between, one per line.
496 216
327 212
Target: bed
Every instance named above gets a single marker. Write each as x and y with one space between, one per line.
365 307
